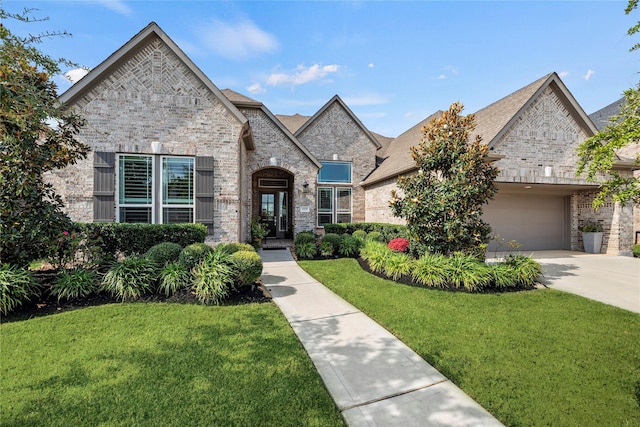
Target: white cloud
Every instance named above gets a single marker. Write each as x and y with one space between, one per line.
237 40
117 6
452 69
563 74
371 65
74 75
409 115
441 77
589 74
302 75
366 100
256 88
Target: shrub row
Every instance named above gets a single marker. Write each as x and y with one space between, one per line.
212 274
460 271
308 245
388 231
636 251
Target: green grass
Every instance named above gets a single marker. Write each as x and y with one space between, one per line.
533 358
160 365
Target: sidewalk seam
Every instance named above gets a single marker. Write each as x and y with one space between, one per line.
391 396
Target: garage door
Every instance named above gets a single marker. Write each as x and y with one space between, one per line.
538 222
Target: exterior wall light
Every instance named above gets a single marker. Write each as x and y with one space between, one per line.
156 146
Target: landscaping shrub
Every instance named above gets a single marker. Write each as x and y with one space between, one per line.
131 278
636 251
332 238
349 246
74 284
131 239
327 249
304 237
360 235
340 228
232 248
164 252
17 285
306 250
376 253
527 269
397 265
399 244
213 278
503 276
248 265
193 254
375 236
388 231
465 271
430 270
173 277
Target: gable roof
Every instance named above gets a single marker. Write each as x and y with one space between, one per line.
293 122
127 50
601 117
493 121
336 100
242 101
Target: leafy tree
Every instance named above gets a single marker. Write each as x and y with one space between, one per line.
442 202
31 216
597 154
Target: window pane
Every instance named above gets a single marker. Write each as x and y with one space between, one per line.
338 172
325 199
325 219
142 215
135 180
177 215
177 181
343 201
343 217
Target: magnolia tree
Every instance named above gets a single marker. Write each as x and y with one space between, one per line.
37 135
442 203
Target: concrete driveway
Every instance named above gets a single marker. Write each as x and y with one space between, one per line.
610 279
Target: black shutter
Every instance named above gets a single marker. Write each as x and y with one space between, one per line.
104 178
204 192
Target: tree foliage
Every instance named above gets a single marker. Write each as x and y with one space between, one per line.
442 203
31 215
597 155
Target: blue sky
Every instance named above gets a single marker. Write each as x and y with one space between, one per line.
393 63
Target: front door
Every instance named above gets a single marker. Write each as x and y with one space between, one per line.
273 212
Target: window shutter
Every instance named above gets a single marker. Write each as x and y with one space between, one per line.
104 174
204 192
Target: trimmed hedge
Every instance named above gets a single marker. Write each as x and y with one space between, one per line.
248 265
164 252
388 231
129 239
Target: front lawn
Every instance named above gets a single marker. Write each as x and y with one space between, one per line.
160 364
531 358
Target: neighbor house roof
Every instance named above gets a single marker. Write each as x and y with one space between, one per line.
336 100
601 117
121 55
628 154
242 101
491 124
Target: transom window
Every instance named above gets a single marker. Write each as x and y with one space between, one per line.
335 173
143 191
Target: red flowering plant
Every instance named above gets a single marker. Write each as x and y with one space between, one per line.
65 248
399 244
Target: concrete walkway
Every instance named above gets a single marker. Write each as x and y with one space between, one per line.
373 377
610 279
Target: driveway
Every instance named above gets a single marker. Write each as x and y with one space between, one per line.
610 279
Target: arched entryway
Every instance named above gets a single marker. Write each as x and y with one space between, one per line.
272 201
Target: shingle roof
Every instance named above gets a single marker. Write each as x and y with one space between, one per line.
601 117
294 122
398 153
236 97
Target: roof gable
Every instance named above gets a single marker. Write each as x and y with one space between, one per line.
493 121
336 100
96 75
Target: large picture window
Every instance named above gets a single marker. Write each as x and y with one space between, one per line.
143 191
334 205
335 173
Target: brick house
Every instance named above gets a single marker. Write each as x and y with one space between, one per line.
169 146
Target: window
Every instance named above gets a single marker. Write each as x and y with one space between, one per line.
334 205
335 173
139 198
